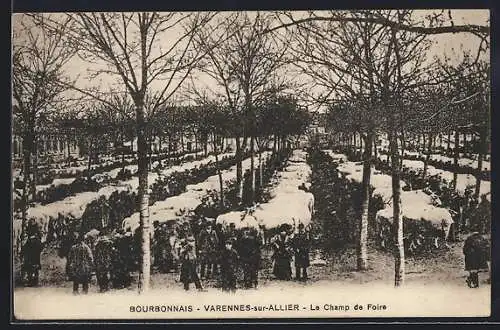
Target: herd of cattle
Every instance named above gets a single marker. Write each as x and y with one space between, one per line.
291 203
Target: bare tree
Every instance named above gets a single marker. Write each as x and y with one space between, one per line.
38 59
439 22
342 59
244 66
139 49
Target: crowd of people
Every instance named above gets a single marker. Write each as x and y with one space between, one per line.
197 251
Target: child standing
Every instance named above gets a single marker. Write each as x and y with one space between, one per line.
229 264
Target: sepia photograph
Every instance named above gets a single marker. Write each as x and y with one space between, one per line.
251 164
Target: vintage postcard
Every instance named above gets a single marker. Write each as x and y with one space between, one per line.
272 164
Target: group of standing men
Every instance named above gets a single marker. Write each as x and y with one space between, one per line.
209 250
110 257
219 254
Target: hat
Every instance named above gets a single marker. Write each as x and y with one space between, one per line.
301 225
283 227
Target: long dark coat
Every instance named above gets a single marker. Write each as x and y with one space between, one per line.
104 250
249 251
188 259
208 244
282 257
301 244
80 262
477 252
31 253
229 267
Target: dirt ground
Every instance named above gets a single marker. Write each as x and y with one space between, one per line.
433 287
444 266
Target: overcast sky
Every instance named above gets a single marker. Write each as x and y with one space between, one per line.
451 45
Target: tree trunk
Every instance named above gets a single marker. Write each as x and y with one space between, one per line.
89 166
123 153
182 143
26 187
361 144
399 252
239 169
206 146
169 149
69 150
252 168
34 169
195 143
261 174
144 225
399 264
482 150
219 173
427 156
455 160
365 202
449 140
150 151
403 147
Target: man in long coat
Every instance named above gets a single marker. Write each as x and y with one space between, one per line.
31 259
121 262
282 255
208 244
79 265
104 252
248 247
229 266
188 263
301 246
477 255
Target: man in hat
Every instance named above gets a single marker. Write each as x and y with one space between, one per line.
120 274
80 264
104 251
282 255
229 266
301 246
248 247
477 255
30 252
188 259
207 250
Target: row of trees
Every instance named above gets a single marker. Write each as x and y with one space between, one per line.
384 84
368 59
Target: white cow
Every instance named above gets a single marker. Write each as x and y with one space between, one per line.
417 205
